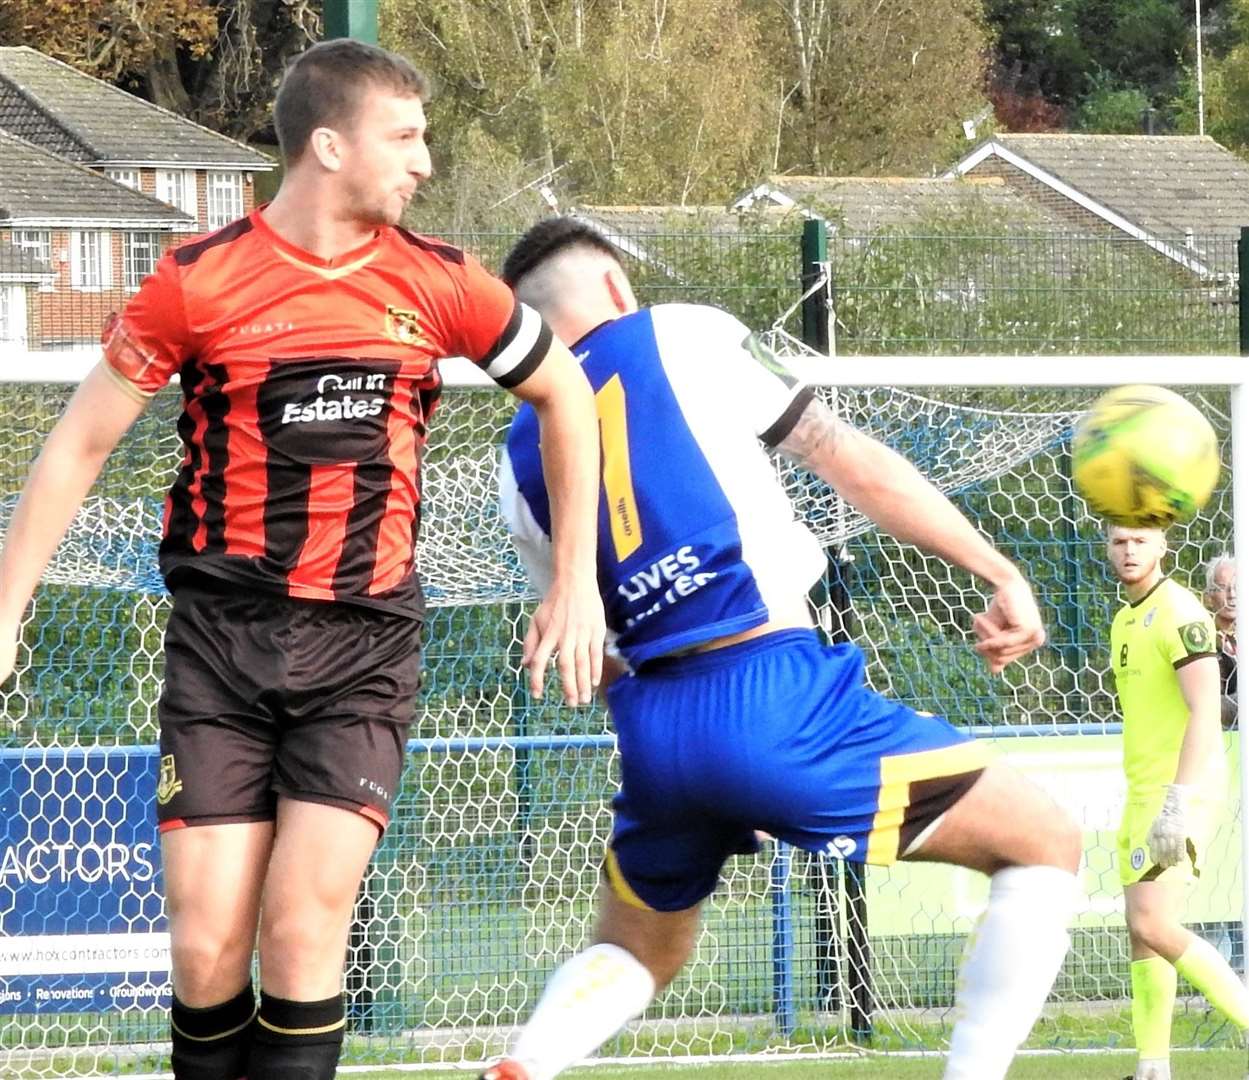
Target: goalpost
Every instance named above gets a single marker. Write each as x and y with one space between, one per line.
486 878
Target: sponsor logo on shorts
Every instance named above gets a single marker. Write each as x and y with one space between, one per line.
1138 858
842 847
168 785
374 788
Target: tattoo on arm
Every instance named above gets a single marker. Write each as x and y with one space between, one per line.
816 434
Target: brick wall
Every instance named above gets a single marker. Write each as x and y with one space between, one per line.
68 315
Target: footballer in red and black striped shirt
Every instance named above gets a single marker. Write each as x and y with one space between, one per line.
308 387
306 339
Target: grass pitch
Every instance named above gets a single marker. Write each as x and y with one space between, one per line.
1185 1065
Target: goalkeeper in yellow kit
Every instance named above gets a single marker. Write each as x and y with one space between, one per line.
1166 670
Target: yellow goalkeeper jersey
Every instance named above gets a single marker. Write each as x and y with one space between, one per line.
1149 640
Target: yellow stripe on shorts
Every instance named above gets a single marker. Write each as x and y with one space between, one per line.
897 773
616 879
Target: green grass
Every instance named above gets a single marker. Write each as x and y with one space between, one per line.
1196 1065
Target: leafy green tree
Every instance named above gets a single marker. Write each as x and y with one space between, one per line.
1112 109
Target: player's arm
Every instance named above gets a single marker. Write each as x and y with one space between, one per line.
891 491
1203 735
95 419
1198 678
569 620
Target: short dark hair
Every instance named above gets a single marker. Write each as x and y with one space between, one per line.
323 85
547 239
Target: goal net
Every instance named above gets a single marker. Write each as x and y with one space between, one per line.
486 878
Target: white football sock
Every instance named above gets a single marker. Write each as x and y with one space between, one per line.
1012 960
589 999
1155 1069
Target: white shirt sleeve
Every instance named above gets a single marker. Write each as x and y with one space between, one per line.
532 544
757 381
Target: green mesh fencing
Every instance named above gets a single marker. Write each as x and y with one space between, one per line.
486 878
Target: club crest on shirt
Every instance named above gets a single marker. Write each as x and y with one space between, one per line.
403 326
1149 617
1196 637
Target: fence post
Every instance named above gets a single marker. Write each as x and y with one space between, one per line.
783 939
1242 263
814 308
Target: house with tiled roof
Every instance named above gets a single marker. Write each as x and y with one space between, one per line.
867 205
73 245
202 173
1183 195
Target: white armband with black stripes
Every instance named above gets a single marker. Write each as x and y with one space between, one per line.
520 348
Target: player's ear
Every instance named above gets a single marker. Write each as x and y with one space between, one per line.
620 291
324 142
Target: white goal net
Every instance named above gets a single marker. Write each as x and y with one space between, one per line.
486 879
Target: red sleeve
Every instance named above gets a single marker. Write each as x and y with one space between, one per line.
146 344
495 330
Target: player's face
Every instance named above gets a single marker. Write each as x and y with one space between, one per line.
1222 596
1135 553
386 156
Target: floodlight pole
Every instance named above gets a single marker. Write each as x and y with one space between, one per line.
1201 92
351 18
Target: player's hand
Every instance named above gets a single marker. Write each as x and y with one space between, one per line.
1168 835
569 626
1010 627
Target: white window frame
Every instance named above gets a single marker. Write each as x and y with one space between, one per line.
39 243
133 275
12 315
127 177
91 260
225 198
178 188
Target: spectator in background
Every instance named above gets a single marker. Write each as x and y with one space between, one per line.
1220 599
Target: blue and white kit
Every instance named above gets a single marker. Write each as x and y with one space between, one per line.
698 541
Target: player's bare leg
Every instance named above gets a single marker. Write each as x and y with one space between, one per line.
1163 947
213 879
637 952
1007 827
318 859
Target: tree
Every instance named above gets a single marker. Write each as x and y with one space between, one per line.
877 87
640 101
216 61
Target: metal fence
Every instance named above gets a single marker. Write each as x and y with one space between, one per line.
889 292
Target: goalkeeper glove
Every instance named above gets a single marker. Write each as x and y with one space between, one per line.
1168 835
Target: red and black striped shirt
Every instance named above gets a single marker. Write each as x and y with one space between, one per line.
307 387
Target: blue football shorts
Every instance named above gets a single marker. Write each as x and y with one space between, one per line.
777 734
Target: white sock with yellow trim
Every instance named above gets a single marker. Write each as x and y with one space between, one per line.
1011 961
589 999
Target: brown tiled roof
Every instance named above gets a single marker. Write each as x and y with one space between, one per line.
866 205
37 185
660 219
72 114
1165 184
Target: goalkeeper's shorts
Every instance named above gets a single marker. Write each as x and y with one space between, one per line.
777 734
1139 813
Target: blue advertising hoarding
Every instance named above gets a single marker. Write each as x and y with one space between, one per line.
82 923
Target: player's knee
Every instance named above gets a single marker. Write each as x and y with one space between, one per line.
1063 843
207 971
1149 928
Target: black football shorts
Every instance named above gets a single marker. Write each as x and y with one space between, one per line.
268 696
